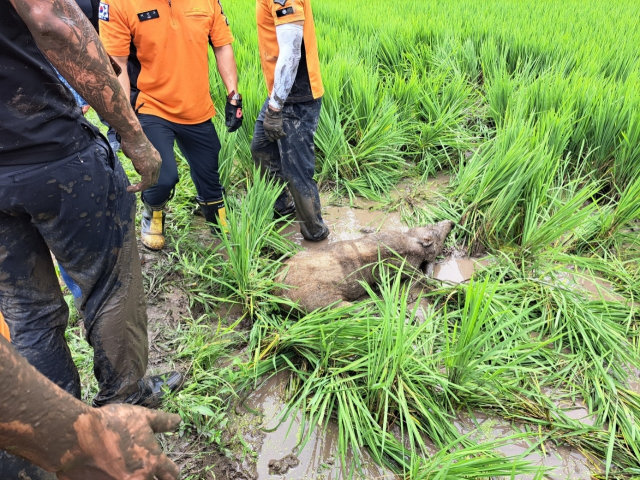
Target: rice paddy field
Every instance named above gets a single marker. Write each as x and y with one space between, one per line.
527 113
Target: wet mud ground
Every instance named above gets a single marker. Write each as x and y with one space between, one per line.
270 448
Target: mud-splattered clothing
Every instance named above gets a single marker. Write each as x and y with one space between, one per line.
269 14
40 119
292 160
171 40
63 191
77 208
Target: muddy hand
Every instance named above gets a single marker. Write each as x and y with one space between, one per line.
145 158
116 442
272 124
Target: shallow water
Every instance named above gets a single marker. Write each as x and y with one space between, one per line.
318 458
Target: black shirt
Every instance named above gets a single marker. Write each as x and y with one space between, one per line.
301 89
39 119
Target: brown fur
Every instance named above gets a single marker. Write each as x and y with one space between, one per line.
318 278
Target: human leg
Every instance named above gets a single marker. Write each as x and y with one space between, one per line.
32 302
201 148
31 299
161 134
297 159
266 157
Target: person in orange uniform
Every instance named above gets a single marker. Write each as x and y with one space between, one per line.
171 40
282 144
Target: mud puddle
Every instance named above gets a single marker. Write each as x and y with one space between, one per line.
280 456
563 462
348 223
280 453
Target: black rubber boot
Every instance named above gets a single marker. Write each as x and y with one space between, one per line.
284 206
214 213
153 388
152 227
312 226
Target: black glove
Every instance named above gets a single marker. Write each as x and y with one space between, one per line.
272 124
233 113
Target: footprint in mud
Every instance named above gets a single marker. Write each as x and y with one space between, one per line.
282 466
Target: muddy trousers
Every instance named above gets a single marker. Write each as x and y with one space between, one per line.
78 209
200 145
291 161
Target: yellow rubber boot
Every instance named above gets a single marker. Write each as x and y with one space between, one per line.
215 214
4 328
152 227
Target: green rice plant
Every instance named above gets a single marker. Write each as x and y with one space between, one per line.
252 248
559 220
211 378
379 372
241 267
445 109
626 166
474 462
492 185
359 145
622 213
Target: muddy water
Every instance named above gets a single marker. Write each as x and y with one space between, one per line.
565 463
454 270
281 457
347 223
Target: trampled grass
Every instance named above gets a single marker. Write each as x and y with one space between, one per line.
532 109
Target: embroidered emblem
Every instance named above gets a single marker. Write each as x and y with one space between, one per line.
103 12
284 11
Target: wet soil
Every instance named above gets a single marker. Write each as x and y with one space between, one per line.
272 448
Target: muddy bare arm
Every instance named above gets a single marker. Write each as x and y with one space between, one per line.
70 42
44 424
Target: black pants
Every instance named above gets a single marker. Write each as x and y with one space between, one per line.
201 147
78 209
292 160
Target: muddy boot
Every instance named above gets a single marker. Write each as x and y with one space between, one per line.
215 214
284 206
152 227
312 226
152 389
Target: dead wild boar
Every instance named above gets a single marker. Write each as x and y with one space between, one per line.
320 277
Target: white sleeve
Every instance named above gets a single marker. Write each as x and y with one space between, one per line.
289 44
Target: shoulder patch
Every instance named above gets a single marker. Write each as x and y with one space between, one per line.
284 11
280 2
103 12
